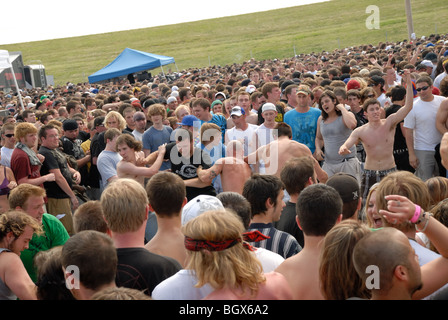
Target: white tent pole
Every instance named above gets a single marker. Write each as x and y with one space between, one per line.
17 88
161 67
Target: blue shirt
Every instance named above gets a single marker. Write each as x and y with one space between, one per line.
304 126
153 138
220 121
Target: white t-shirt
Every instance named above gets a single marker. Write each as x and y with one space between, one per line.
422 119
181 286
264 135
383 99
245 137
6 157
439 79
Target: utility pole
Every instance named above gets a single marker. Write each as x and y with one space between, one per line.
409 19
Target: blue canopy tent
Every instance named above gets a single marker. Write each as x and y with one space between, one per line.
130 61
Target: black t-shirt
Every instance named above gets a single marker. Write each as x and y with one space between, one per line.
186 168
288 223
400 140
55 159
94 175
143 270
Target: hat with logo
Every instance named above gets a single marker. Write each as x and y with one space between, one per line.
346 185
237 111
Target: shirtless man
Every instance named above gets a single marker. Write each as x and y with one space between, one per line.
318 208
274 155
129 149
234 171
377 137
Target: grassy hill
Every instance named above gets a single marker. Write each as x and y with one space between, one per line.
270 34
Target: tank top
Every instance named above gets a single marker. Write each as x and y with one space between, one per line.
5 292
4 186
335 134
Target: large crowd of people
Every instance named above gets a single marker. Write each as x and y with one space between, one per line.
274 179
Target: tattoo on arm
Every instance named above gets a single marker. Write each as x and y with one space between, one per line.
213 174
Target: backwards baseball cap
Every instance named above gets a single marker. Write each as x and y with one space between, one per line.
199 205
346 185
69 124
268 106
188 120
237 111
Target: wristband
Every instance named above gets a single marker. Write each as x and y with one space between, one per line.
418 211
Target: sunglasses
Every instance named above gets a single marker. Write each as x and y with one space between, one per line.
9 135
422 88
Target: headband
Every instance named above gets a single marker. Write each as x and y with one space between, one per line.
198 245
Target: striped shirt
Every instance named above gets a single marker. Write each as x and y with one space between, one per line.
280 242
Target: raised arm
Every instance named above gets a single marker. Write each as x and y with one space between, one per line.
399 116
348 117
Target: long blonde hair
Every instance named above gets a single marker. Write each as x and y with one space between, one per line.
235 267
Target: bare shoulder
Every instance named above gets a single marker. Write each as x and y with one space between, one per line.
290 266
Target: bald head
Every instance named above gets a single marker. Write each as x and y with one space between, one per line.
384 250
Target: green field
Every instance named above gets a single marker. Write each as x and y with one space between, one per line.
224 41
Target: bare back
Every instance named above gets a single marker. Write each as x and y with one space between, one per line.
234 173
302 273
278 152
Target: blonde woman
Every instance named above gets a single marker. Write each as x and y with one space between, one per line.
220 258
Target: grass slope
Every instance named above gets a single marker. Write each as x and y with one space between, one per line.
264 35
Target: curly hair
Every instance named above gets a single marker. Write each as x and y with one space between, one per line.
16 221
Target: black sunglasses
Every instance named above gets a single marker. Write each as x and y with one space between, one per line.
9 135
422 88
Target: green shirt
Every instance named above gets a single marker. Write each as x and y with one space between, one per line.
54 235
